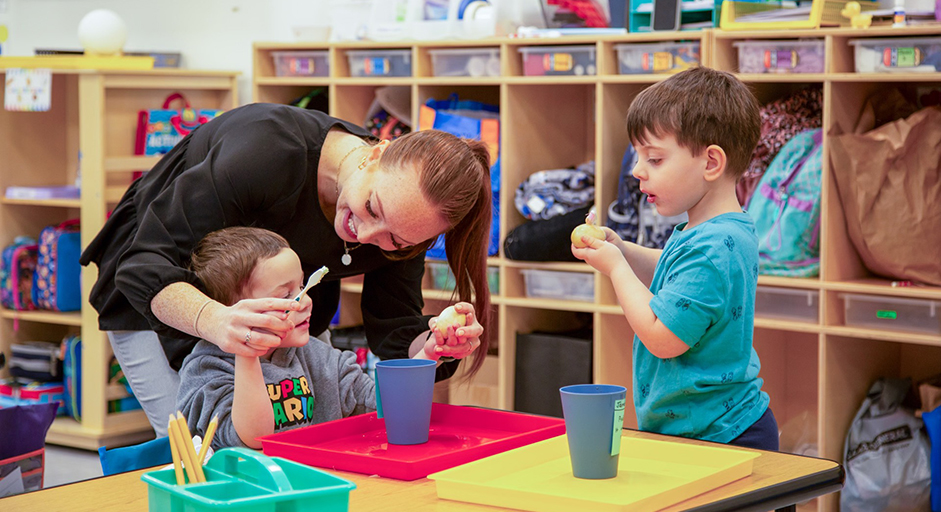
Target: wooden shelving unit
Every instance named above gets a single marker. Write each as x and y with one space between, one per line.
91 126
819 370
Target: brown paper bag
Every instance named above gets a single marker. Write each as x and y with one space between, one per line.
889 181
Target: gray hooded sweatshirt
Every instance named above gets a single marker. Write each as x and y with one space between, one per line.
307 385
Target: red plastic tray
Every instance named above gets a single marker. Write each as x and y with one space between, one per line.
458 435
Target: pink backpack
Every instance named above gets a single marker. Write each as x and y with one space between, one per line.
16 275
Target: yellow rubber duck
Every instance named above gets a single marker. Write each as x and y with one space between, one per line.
852 10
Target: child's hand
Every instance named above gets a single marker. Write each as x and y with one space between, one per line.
457 341
603 255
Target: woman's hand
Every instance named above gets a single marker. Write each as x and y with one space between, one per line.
250 327
458 342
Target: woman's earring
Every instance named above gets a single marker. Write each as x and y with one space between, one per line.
362 164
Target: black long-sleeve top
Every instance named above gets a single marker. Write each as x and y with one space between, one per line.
255 165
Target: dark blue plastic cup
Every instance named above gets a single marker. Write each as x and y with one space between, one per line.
594 414
405 388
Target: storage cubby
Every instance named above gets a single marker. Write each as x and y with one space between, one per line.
91 126
816 368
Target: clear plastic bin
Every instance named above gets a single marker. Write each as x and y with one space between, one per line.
905 55
466 62
554 284
301 63
380 62
443 279
766 56
787 304
893 313
558 60
441 276
649 58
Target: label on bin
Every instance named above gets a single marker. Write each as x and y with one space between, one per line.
618 424
902 57
373 66
657 62
884 313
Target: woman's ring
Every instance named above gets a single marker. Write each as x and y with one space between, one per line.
248 337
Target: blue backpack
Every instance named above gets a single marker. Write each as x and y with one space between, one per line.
786 209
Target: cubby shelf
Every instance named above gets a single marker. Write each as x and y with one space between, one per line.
91 125
820 370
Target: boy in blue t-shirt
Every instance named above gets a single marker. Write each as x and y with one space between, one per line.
695 370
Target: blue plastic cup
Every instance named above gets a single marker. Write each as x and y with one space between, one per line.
594 415
405 390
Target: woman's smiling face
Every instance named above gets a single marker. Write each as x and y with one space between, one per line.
386 208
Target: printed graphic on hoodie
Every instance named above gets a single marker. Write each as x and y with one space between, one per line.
291 401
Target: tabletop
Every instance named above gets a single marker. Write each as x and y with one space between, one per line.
777 480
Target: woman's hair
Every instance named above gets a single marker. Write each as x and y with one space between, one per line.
454 175
224 259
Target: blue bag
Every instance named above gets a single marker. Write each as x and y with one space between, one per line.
470 120
57 278
786 209
139 456
933 427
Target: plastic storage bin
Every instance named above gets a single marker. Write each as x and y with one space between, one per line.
558 60
443 279
380 62
441 276
767 56
906 55
787 304
648 58
304 63
892 313
554 284
466 62
243 479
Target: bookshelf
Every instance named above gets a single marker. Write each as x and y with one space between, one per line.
817 372
91 125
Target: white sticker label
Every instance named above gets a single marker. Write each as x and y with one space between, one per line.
618 425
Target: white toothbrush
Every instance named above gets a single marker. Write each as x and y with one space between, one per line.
313 281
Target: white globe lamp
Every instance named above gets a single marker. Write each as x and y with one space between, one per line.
102 32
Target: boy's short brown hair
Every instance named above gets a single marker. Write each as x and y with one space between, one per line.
700 107
224 259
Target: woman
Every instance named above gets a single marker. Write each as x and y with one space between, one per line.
340 200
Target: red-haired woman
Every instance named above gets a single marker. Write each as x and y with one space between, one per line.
340 198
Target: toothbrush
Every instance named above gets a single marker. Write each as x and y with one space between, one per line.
313 281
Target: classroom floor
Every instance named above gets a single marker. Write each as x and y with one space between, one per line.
66 465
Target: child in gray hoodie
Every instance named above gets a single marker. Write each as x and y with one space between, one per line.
302 382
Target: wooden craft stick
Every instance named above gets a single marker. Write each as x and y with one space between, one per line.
188 464
207 442
185 431
175 451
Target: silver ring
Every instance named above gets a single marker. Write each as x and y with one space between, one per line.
248 337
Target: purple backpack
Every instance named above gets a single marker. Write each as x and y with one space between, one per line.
16 274
57 280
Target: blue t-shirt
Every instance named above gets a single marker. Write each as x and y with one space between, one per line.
704 292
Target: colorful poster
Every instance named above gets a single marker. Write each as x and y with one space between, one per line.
28 90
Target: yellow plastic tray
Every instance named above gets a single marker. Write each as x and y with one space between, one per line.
538 477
